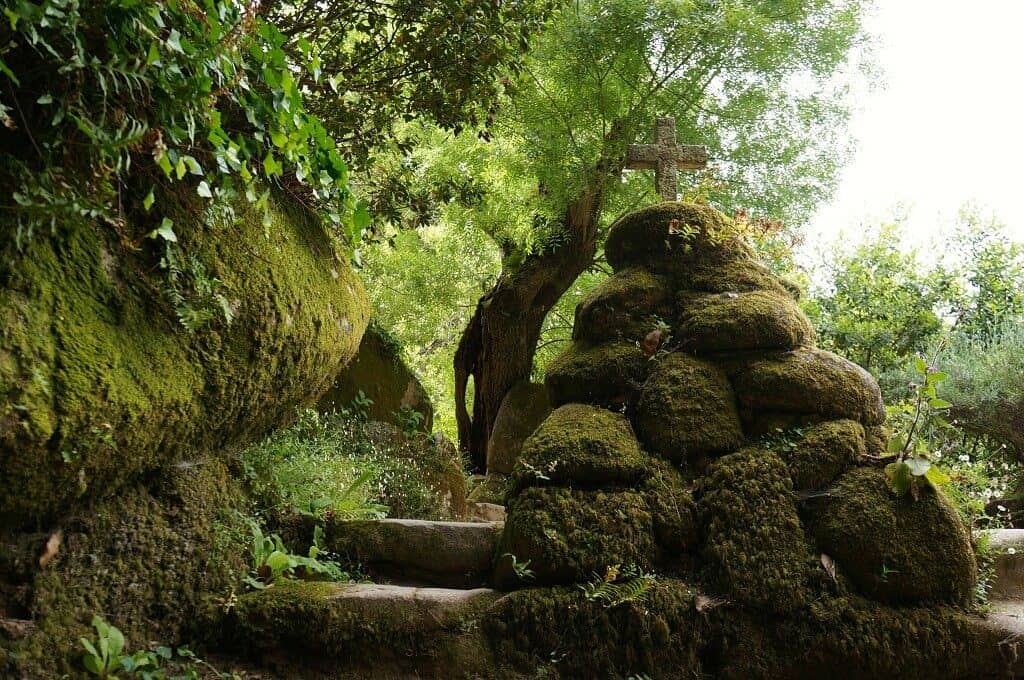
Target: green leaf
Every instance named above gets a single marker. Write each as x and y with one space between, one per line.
148 201
921 365
45 99
204 190
918 465
165 231
174 41
361 217
900 479
164 161
939 403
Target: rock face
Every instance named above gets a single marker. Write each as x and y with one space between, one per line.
377 370
728 454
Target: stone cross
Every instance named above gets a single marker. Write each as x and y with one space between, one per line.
666 157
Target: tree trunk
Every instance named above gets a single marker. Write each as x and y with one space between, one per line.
499 343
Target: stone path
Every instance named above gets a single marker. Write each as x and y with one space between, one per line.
1006 594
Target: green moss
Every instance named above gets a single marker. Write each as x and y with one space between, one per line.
672 238
687 410
735 277
568 536
102 384
810 381
673 511
377 370
609 374
584 447
151 561
754 545
626 305
727 322
560 631
876 438
494 488
521 412
895 549
821 453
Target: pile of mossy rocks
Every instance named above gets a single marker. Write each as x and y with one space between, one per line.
699 434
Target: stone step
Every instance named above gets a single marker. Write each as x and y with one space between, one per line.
368 629
419 552
485 512
1008 579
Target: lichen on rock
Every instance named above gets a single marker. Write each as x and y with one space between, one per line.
582 446
734 322
687 410
608 374
895 549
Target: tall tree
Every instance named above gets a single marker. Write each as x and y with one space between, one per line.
751 79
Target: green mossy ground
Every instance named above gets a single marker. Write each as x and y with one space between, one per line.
754 545
100 382
151 560
570 536
818 454
810 381
733 322
687 410
627 305
893 548
584 447
609 374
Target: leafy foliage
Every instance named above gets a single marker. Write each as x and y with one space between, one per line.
106 99
272 562
618 586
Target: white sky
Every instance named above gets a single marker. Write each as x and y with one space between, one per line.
946 126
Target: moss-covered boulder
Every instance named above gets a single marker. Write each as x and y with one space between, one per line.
570 536
152 560
754 544
818 454
810 381
672 238
584 447
493 489
522 410
670 500
876 439
728 322
893 548
380 373
627 305
608 374
736 276
687 409
101 384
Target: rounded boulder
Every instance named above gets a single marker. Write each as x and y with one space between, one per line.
627 305
609 374
522 410
755 320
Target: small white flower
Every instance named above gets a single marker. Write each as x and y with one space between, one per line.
1011 551
1002 508
964 458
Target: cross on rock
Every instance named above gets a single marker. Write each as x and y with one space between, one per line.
666 157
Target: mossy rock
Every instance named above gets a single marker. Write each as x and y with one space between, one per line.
656 635
758 423
817 455
151 560
673 238
609 374
582 446
523 409
687 409
380 373
736 276
810 381
569 536
676 530
876 439
731 322
893 548
102 385
754 545
625 305
494 488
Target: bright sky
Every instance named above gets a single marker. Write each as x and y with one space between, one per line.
947 125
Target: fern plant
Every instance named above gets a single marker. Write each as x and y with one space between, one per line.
619 586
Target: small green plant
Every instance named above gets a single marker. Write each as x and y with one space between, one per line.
913 468
886 573
360 406
272 562
781 440
618 586
522 569
408 419
103 659
541 473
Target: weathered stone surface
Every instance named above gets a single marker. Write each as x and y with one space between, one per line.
609 374
569 536
754 545
893 548
627 305
810 381
1008 580
378 371
729 322
452 554
687 409
584 447
522 410
102 385
821 453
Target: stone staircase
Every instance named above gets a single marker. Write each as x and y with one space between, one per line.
420 617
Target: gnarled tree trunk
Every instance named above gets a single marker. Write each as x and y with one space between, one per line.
499 343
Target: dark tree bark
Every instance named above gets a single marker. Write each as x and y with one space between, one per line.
499 343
